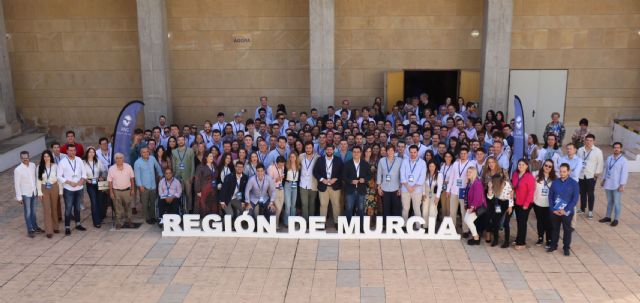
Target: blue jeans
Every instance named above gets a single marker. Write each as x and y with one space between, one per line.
613 203
96 214
29 204
71 203
290 199
354 200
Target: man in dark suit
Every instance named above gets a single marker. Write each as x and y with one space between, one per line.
331 115
328 172
232 192
356 174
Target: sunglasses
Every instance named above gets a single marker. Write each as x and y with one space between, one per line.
547 165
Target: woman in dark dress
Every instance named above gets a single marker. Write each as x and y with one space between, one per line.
206 187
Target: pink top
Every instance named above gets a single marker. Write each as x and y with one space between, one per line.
524 188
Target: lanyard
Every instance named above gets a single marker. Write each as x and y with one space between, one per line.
386 161
260 157
307 163
430 180
181 157
206 138
236 126
226 171
446 170
252 169
414 166
279 174
93 167
260 186
479 168
586 157
280 154
221 126
329 166
462 170
48 172
294 174
108 156
614 162
73 167
168 185
546 182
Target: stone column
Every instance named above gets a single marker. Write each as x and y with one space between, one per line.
9 125
154 61
321 53
496 48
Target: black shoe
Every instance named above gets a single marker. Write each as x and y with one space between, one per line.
539 243
614 223
566 252
80 228
551 249
466 235
31 234
494 242
67 232
134 211
605 220
97 225
471 242
39 230
49 236
505 244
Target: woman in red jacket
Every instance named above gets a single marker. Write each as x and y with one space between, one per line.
524 186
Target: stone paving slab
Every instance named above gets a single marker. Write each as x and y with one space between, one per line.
103 265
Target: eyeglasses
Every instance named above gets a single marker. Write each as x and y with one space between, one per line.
548 166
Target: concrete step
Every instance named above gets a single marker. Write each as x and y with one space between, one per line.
10 148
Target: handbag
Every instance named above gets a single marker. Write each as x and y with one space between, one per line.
481 211
103 185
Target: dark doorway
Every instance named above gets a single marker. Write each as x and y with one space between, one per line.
439 84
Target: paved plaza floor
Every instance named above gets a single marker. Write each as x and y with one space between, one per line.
103 265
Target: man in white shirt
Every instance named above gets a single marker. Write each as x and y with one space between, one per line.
237 123
221 123
268 110
70 173
24 179
412 176
592 167
345 107
104 153
308 184
457 186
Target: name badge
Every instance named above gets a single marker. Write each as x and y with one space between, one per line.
459 182
165 196
444 186
213 183
294 184
411 178
261 200
74 176
545 192
94 181
388 178
238 196
462 193
181 166
584 163
430 194
47 185
608 175
498 209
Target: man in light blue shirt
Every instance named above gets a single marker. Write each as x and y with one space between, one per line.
575 162
412 176
280 150
616 174
267 108
146 169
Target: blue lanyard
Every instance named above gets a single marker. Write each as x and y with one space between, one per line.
329 167
386 160
93 171
414 166
446 170
614 162
183 155
260 186
48 172
586 157
462 170
260 157
168 185
430 180
546 182
307 163
74 167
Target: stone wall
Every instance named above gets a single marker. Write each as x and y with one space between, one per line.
376 36
74 63
597 42
225 54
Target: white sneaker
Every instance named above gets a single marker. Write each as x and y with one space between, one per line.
579 211
590 216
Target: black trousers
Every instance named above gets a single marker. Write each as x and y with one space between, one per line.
522 216
565 221
489 215
501 219
169 207
587 186
391 204
543 222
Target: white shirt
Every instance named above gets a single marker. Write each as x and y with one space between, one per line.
71 170
328 166
237 127
459 172
219 126
48 176
93 170
105 160
306 169
592 162
24 179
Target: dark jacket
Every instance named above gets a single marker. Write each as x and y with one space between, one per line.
229 186
320 172
326 117
349 174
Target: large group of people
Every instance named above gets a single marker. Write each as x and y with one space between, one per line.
416 160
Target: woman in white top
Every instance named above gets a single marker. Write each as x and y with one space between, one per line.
49 191
499 189
431 192
291 181
544 178
445 173
93 173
